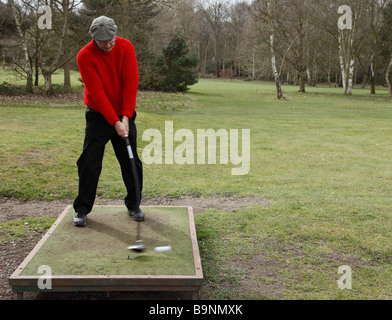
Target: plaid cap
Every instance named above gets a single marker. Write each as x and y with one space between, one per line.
103 29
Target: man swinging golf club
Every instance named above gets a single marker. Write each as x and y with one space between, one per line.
108 68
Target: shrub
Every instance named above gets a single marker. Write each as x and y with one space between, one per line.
174 71
8 89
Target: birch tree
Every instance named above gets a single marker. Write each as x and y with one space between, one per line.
340 19
270 5
266 21
346 47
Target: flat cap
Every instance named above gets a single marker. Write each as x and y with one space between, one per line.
103 29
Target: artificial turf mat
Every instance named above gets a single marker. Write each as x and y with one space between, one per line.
101 247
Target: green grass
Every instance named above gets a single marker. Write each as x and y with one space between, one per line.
323 161
26 227
321 158
9 76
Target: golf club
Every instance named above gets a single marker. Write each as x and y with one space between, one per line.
139 247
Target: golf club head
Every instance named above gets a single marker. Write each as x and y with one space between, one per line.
139 247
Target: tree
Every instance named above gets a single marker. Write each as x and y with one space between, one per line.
386 38
341 20
270 7
368 43
176 68
18 16
237 32
8 33
42 29
50 49
215 13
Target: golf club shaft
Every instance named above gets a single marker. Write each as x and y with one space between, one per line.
138 232
137 189
134 170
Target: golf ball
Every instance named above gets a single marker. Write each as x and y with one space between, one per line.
162 249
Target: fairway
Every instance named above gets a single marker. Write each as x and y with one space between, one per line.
321 159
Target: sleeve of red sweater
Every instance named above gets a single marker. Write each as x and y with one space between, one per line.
130 78
92 81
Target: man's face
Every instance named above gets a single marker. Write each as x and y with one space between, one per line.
106 45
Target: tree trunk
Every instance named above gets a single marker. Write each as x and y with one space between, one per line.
387 76
372 78
275 70
346 62
253 64
36 62
36 81
364 80
302 82
342 66
308 76
48 83
350 77
67 77
67 66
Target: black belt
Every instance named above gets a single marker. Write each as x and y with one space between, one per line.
90 110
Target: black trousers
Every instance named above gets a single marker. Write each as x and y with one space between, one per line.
98 134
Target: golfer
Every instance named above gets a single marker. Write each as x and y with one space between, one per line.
109 72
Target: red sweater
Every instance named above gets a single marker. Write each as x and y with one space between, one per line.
110 78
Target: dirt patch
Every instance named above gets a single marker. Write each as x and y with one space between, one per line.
198 204
12 254
263 280
11 209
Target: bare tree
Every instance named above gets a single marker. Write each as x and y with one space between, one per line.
237 31
375 9
386 39
18 16
216 12
54 39
341 20
266 22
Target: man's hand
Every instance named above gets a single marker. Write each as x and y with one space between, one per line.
125 121
122 127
